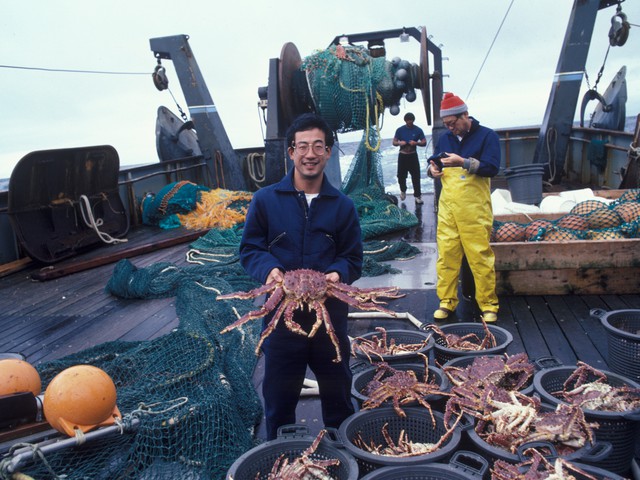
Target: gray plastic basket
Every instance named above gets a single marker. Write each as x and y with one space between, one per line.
417 425
399 337
436 375
623 336
256 464
621 429
443 354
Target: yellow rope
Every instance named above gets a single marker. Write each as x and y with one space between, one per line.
213 210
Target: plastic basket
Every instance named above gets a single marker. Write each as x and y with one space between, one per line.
437 376
621 429
462 466
417 425
593 452
443 354
464 362
399 337
256 464
623 336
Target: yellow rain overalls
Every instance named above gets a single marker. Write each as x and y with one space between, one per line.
465 219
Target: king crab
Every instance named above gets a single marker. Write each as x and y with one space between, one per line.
508 372
401 387
468 342
379 346
588 388
404 447
308 287
302 467
537 468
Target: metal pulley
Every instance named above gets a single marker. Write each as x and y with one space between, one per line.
160 79
619 31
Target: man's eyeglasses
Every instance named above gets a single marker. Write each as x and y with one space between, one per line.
451 123
303 148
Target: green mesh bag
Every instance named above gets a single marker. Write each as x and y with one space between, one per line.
176 197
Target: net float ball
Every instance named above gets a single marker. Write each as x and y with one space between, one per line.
82 397
17 376
537 227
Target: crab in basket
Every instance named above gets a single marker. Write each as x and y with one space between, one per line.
537 467
597 393
380 346
401 387
302 467
303 287
468 342
511 372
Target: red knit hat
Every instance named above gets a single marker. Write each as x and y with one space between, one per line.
452 105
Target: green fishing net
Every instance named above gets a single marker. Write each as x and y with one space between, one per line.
588 220
187 398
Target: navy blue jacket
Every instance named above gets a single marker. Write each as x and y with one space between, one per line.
480 143
282 231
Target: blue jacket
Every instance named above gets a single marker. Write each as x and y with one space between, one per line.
282 231
480 143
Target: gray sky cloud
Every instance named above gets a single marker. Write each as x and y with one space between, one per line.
233 42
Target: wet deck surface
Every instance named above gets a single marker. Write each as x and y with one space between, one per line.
45 320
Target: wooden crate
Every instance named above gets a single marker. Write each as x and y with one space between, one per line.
570 267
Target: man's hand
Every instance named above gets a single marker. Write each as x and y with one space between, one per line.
275 275
332 277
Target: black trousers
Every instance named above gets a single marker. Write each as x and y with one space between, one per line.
408 163
287 356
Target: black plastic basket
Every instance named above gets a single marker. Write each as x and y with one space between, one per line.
623 337
621 429
596 472
436 375
462 466
576 470
417 425
464 362
256 464
443 354
591 452
400 337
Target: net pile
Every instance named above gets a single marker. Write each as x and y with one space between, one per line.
194 206
191 390
587 220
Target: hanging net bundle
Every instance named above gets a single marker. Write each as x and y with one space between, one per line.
350 89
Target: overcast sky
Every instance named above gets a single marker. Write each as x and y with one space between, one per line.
233 41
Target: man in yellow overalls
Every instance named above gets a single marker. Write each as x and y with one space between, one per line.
470 157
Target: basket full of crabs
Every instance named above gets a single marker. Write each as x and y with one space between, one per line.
541 461
623 338
381 437
404 384
505 421
610 402
392 346
296 454
462 466
511 372
467 339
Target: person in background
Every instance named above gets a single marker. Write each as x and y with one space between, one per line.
304 222
408 137
465 216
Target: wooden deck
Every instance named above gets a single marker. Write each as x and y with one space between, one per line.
68 310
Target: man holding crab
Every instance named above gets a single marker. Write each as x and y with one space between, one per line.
303 222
